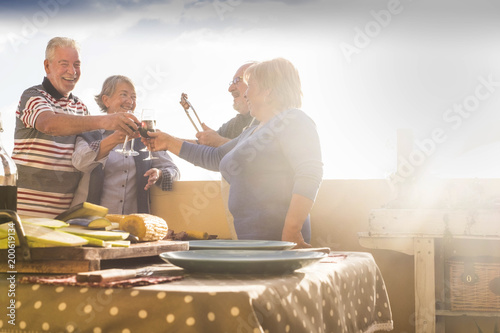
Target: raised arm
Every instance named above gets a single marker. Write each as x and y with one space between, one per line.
57 124
107 144
91 149
210 137
200 155
163 141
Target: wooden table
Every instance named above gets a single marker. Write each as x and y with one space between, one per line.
343 293
420 232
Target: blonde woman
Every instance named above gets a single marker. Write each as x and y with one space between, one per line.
274 168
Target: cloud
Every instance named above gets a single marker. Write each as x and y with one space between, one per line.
13 6
410 72
188 15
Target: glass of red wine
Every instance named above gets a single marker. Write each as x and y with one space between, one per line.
148 124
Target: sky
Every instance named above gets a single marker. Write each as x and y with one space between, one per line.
369 70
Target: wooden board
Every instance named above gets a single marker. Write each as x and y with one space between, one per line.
82 259
53 267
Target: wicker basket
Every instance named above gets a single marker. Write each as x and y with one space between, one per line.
474 284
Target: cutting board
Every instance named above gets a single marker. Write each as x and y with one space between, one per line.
83 259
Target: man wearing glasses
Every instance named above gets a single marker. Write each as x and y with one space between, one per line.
236 125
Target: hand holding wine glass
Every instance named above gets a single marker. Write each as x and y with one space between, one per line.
159 140
123 150
148 124
132 152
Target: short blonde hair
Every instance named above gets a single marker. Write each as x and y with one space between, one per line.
109 87
282 78
59 42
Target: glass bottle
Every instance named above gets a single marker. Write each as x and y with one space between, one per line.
8 180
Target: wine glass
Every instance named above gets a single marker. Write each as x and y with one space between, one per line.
132 152
143 131
124 151
148 124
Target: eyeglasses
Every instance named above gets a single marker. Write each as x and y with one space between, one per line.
236 80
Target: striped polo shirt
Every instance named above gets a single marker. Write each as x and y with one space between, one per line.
47 179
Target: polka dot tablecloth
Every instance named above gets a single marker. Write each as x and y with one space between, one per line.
346 295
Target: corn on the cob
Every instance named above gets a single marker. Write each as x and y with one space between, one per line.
145 226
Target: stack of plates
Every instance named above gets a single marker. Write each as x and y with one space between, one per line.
241 256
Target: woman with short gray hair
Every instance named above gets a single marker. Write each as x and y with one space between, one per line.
118 181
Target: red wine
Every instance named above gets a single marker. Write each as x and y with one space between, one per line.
138 126
147 126
8 200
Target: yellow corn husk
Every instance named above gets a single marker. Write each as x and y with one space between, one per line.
96 241
145 226
91 222
117 218
83 209
45 222
5 244
39 234
101 234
